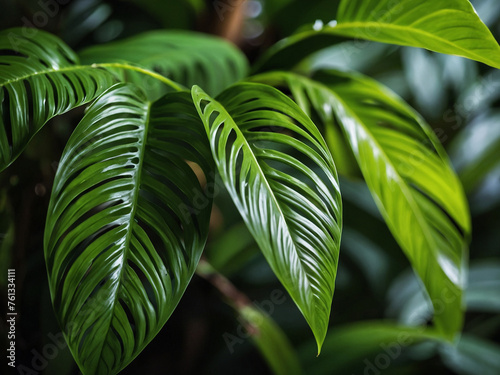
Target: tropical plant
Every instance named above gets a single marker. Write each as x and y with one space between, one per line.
174 117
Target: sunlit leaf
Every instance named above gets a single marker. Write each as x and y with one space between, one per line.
184 56
445 26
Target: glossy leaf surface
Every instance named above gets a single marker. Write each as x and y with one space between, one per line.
446 26
281 176
408 174
39 78
124 232
188 58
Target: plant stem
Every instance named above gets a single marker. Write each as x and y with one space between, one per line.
150 73
234 297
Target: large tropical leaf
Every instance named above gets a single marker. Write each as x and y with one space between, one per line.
446 26
126 224
39 79
186 57
408 174
281 176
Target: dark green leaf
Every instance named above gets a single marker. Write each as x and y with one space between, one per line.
124 232
186 57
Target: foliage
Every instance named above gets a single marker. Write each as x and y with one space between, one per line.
173 122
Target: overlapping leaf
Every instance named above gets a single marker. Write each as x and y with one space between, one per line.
188 58
446 26
316 101
126 225
281 176
408 174
39 79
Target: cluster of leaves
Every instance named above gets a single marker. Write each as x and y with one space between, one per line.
169 110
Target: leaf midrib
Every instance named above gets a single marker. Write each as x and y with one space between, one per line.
128 238
47 71
124 66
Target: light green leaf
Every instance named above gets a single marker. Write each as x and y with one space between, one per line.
445 26
408 174
279 173
39 78
186 57
123 233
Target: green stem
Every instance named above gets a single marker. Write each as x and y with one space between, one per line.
157 76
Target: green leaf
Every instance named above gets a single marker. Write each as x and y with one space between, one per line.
410 306
445 26
124 232
409 176
279 173
186 57
39 78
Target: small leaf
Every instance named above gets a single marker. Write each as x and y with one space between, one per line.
125 226
279 173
